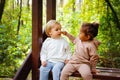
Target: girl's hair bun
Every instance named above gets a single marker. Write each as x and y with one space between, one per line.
95 24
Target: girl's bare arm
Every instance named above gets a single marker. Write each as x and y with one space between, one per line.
71 37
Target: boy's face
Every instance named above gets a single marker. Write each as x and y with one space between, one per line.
55 31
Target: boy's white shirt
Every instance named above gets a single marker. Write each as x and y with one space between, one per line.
55 50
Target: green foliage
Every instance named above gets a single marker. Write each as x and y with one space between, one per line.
96 11
70 19
109 49
13 47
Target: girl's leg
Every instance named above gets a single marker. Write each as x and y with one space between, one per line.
44 71
67 70
85 72
56 71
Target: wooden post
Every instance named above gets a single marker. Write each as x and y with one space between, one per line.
36 36
51 9
50 13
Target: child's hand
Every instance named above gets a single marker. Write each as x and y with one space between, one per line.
63 32
96 42
44 63
66 61
94 71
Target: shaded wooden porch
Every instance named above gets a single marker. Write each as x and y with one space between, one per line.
32 62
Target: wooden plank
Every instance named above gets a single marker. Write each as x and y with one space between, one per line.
36 36
103 75
23 72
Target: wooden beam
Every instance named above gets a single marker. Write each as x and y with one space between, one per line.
50 13
51 9
104 74
23 72
36 36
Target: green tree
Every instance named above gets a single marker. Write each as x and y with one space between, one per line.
106 12
13 46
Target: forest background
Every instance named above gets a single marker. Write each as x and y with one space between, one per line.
16 29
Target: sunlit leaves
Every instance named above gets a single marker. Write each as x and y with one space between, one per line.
13 47
95 11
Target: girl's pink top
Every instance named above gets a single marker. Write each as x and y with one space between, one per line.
85 52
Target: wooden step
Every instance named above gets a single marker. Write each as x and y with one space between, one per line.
104 74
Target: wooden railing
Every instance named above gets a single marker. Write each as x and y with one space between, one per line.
104 74
24 70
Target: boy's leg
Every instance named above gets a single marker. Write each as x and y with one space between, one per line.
56 71
44 71
67 71
85 72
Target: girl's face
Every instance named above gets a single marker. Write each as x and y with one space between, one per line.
83 36
55 31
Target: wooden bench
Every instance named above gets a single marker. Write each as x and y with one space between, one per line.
104 74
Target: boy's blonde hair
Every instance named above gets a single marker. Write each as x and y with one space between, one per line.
50 24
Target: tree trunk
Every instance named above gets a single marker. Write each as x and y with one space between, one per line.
28 6
19 17
2 3
114 13
61 3
73 7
